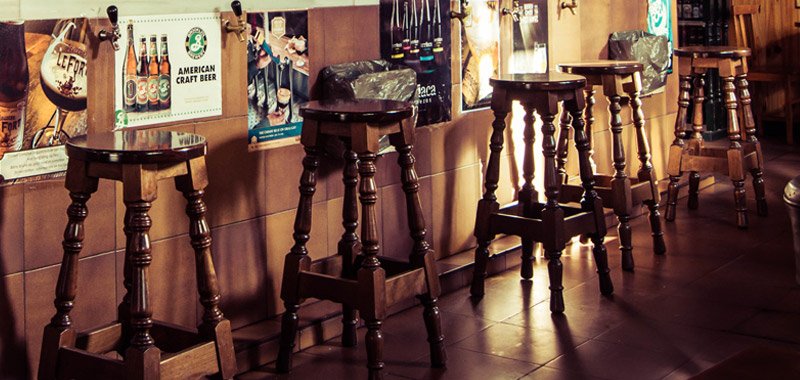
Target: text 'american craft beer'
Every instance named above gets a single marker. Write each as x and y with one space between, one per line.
13 85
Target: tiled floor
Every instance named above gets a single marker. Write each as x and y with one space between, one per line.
718 291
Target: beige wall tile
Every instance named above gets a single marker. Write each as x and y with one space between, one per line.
240 257
455 196
13 363
11 229
395 239
45 205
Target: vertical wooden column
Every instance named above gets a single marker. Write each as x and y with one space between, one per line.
488 205
527 195
349 244
297 259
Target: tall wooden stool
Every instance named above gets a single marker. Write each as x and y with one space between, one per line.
356 277
621 81
744 152
139 159
550 223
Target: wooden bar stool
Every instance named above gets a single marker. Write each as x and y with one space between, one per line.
550 223
139 159
356 277
621 81
692 155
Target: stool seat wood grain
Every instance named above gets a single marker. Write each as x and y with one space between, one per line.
602 67
139 159
619 80
549 223
688 152
717 52
356 277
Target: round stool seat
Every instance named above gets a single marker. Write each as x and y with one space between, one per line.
713 52
602 67
357 111
538 82
137 147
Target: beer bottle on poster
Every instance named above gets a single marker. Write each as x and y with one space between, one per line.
152 79
412 58
438 39
164 77
396 33
129 75
426 43
406 31
13 85
142 75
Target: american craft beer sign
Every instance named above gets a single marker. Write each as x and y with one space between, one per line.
168 69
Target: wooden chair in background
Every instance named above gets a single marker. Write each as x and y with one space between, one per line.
745 36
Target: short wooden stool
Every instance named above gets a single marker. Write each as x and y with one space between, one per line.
139 159
692 155
550 223
621 81
356 277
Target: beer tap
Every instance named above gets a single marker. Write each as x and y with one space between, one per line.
113 35
514 12
239 28
571 6
466 10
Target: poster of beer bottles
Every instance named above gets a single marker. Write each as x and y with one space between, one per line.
168 69
416 34
278 65
480 52
529 36
42 95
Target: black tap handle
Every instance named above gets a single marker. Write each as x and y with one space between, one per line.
112 14
237 8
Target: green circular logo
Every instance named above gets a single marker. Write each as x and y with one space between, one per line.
121 118
196 43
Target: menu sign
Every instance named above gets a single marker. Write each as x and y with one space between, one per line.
168 70
416 34
43 89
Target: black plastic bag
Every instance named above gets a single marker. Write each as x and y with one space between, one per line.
651 50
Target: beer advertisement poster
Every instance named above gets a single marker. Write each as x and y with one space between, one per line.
278 65
480 53
416 34
168 69
42 95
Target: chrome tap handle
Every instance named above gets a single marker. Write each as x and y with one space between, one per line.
514 12
239 28
114 34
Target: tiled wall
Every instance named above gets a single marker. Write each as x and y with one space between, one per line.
252 196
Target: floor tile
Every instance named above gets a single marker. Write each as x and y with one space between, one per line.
467 365
514 342
614 361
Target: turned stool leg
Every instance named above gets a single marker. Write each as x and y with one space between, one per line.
588 116
214 326
735 152
621 184
422 255
297 259
697 137
676 150
590 199
746 110
349 245
371 277
565 126
488 204
124 308
528 195
553 214
59 332
142 358
645 173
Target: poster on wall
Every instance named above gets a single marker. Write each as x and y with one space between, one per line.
168 69
530 38
43 90
480 54
416 34
659 21
278 65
